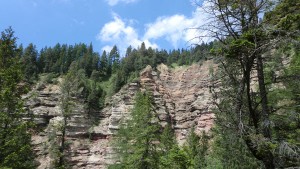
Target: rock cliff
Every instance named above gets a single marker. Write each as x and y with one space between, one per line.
182 97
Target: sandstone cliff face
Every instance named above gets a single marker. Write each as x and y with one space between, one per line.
181 97
188 90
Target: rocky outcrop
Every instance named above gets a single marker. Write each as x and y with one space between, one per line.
181 95
184 94
43 104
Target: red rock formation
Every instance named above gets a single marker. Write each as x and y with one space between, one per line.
181 96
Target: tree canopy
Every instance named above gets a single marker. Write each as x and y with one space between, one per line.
15 141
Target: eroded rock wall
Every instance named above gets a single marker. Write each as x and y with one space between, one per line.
181 95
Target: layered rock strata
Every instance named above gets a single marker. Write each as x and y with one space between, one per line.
182 97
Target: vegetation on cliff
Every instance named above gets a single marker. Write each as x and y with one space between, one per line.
256 91
254 103
142 142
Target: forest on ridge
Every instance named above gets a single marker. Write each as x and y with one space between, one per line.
256 92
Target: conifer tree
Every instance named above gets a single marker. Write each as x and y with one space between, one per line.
171 155
15 147
30 62
70 89
114 59
244 109
138 138
104 64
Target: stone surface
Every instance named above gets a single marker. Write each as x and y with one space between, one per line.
181 97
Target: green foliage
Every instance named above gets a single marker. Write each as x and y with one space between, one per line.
196 147
94 101
176 158
72 86
285 103
137 139
254 121
50 78
171 155
104 64
29 60
140 143
114 59
54 145
15 147
109 68
286 15
167 139
230 151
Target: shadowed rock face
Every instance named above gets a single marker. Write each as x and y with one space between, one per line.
181 98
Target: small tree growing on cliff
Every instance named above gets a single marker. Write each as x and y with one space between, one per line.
137 140
69 88
172 156
197 148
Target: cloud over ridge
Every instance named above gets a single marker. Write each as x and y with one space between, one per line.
118 32
175 29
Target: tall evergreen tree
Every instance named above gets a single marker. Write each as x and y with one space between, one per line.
244 41
128 51
104 64
70 85
114 59
15 147
171 155
29 60
95 98
137 140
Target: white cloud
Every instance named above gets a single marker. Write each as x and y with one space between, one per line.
120 33
107 48
115 2
172 28
177 28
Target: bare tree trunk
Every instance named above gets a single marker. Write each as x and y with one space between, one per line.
62 146
239 97
268 157
252 113
264 98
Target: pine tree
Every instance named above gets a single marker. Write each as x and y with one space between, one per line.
229 151
15 147
171 155
29 60
114 59
95 98
244 43
69 87
138 139
104 65
285 101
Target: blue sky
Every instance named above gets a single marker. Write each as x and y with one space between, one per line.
161 24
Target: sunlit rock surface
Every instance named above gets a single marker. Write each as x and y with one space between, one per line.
182 97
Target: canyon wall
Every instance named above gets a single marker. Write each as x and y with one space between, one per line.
182 97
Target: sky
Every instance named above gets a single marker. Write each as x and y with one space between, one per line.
161 24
